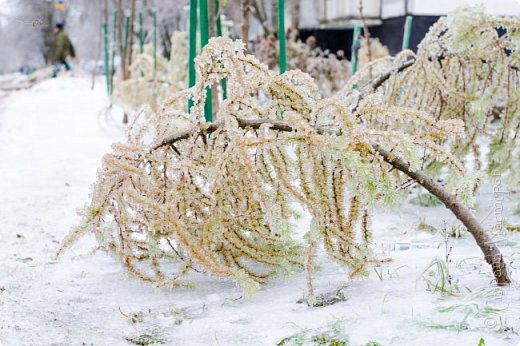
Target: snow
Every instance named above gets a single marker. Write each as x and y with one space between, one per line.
52 138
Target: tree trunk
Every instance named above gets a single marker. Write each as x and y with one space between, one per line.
491 252
131 33
47 32
295 14
99 48
212 19
120 39
274 15
212 33
260 14
245 22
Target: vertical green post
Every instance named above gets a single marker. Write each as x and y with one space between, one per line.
356 44
154 42
192 47
105 46
127 29
218 21
114 42
204 38
141 33
407 32
281 35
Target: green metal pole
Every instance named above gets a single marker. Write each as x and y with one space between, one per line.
204 38
218 21
154 42
281 35
407 32
356 44
105 46
127 29
114 41
192 47
141 33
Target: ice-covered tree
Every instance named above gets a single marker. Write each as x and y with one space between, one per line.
218 197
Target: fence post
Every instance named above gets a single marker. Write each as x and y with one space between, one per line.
407 32
356 44
204 38
281 35
192 47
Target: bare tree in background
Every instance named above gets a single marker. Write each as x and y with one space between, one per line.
295 11
274 15
131 32
26 45
259 12
245 22
266 13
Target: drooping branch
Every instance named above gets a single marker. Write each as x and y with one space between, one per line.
491 252
462 73
278 125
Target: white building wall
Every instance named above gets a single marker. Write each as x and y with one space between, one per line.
441 7
314 11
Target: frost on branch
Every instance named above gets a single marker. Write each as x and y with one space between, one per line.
218 198
467 68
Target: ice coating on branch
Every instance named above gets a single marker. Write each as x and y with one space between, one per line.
467 68
176 198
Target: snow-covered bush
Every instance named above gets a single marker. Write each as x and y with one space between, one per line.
329 72
149 86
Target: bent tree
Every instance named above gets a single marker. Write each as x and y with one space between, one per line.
218 198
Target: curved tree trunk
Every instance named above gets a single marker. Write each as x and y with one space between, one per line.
487 245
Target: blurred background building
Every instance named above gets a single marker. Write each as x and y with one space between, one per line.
332 21
26 25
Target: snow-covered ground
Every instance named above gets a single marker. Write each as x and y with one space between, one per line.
51 141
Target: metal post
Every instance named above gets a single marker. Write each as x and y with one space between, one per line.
407 32
204 38
281 35
192 47
356 44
